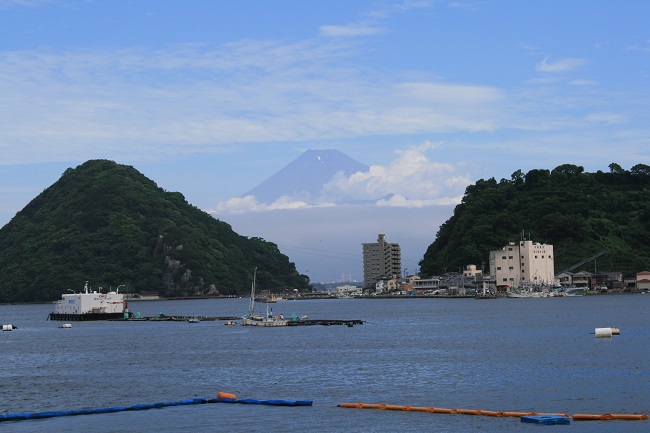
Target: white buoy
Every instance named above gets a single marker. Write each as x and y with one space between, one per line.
7 327
603 332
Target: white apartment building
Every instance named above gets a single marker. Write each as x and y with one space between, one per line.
525 262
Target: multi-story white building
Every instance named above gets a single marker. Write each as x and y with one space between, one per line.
525 262
381 260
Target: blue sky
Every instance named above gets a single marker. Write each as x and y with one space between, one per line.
210 98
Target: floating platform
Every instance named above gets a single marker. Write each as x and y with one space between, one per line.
309 322
164 318
86 317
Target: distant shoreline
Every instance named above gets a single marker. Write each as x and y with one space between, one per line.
318 297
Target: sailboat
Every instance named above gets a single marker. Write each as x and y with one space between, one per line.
252 319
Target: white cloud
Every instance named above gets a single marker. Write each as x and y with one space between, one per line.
5 4
240 205
351 30
606 118
411 175
583 82
193 98
412 179
642 48
398 200
560 65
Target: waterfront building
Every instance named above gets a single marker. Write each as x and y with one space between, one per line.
471 271
643 280
426 284
381 260
521 263
347 291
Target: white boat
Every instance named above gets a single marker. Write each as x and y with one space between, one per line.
90 305
575 291
268 320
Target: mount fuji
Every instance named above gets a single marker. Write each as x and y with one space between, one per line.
306 176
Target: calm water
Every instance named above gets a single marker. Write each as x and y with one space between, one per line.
506 354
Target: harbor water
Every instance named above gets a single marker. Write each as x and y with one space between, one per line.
537 355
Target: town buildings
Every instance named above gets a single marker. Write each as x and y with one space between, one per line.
381 260
521 263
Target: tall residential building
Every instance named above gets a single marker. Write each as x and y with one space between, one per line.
526 262
381 260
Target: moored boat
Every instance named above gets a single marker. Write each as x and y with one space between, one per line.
89 305
252 319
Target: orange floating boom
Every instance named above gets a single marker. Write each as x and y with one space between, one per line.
577 417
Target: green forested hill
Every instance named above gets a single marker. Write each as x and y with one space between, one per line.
108 224
579 213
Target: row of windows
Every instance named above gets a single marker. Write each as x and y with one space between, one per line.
523 257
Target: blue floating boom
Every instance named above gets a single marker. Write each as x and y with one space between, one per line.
265 402
146 406
546 419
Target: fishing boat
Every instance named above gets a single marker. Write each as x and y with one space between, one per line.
268 320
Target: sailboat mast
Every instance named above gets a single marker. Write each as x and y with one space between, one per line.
252 302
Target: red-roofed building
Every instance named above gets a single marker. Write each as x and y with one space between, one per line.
643 280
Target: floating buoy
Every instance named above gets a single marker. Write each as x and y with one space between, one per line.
226 395
603 332
7 327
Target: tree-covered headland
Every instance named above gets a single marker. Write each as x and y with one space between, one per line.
579 213
108 224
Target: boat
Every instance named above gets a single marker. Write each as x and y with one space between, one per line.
90 305
575 291
486 293
268 320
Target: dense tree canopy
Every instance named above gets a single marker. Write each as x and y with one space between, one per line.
579 213
108 224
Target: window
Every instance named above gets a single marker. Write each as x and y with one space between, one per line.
498 268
